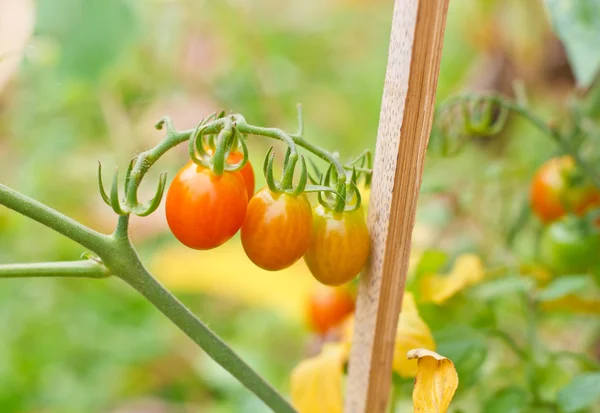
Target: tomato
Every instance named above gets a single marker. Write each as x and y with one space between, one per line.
339 245
204 210
328 307
553 195
276 230
570 246
247 172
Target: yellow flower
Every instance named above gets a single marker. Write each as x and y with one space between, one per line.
435 383
316 383
467 270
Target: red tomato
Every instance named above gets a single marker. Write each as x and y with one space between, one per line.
328 307
204 210
552 195
276 230
339 245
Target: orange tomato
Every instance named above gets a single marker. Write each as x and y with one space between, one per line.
247 172
552 195
203 210
328 307
276 230
339 245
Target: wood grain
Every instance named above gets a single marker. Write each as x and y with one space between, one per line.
405 124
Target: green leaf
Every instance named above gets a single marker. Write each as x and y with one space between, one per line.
563 286
582 392
431 262
467 349
507 400
577 24
508 285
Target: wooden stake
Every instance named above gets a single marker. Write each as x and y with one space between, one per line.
405 124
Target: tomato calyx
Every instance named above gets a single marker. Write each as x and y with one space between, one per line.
345 196
483 117
289 165
213 154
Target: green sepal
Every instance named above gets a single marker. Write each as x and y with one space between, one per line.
115 201
103 193
269 159
353 192
242 143
149 207
303 178
500 122
128 175
196 150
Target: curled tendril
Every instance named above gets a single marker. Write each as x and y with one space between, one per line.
121 207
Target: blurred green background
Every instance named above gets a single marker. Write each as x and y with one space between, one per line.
85 80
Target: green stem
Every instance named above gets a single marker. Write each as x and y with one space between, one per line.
531 314
146 159
509 341
296 139
133 272
539 123
47 216
77 269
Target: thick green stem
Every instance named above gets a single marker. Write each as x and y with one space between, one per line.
133 272
296 139
47 216
77 269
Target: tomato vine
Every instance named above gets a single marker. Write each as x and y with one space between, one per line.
114 254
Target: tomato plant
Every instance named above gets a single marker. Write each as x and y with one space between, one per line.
328 307
339 245
559 187
277 228
570 246
204 210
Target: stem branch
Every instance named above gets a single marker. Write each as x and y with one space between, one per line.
47 216
77 269
140 279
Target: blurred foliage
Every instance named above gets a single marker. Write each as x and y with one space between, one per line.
93 79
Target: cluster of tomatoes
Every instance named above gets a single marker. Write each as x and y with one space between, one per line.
566 202
277 227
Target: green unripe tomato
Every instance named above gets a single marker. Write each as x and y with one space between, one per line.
570 246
